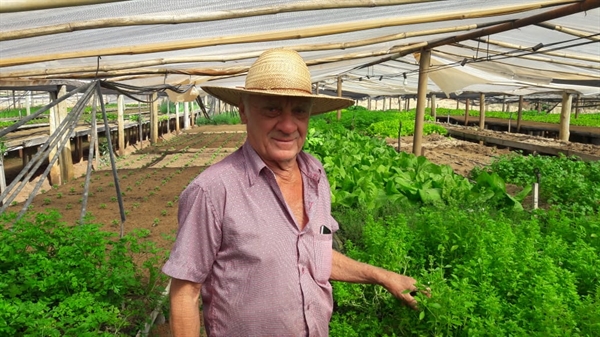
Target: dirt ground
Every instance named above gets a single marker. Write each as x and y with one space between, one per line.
152 177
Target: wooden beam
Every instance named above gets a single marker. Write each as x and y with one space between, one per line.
520 113
467 107
481 111
120 124
565 117
154 118
574 32
424 63
314 31
339 93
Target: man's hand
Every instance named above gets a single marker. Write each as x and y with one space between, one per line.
348 270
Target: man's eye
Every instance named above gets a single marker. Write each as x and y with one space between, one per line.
272 111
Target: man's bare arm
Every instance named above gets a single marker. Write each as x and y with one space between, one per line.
348 270
185 316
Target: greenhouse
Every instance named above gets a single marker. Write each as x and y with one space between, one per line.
469 159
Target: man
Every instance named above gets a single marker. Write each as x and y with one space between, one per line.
255 230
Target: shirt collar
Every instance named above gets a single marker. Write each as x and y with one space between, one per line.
254 164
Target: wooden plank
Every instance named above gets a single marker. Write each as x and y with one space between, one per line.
521 145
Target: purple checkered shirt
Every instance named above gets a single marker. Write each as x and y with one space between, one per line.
260 274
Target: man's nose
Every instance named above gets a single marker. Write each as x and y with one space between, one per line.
287 122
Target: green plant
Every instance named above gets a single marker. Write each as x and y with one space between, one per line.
163 212
68 206
102 206
59 195
47 201
64 280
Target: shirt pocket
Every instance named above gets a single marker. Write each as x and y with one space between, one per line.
322 257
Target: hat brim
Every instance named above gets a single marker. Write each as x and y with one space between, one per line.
321 103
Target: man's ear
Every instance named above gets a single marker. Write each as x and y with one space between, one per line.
242 108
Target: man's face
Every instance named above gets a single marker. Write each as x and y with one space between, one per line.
276 126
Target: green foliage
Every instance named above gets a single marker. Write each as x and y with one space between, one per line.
220 119
580 193
365 171
57 280
490 273
590 119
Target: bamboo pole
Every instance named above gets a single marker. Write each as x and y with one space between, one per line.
565 117
31 5
520 113
191 17
120 124
481 111
541 51
339 93
154 118
577 105
467 107
177 128
424 60
322 30
570 31
107 68
577 7
433 108
186 114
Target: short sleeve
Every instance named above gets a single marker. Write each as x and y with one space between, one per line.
198 237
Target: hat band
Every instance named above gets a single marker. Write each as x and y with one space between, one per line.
280 89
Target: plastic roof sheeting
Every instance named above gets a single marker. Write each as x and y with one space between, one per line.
334 42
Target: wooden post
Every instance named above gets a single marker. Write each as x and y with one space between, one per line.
28 102
481 111
177 118
520 113
399 103
154 118
433 108
503 102
63 171
186 114
577 105
539 107
168 115
339 93
565 117
121 124
407 103
467 111
2 175
316 88
424 61
457 104
369 103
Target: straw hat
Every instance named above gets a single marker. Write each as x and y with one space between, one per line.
279 72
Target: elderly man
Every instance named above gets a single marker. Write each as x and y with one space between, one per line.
255 230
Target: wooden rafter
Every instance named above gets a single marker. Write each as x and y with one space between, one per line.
307 32
569 31
462 56
580 57
30 5
194 17
108 68
545 16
